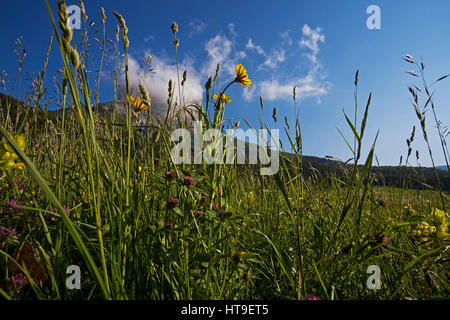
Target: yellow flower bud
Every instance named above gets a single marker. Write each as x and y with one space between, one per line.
5 156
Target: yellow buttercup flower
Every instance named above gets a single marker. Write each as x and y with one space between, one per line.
223 97
138 104
241 76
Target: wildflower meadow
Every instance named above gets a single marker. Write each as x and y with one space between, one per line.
95 205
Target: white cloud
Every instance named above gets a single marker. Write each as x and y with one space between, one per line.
286 37
223 49
306 87
156 83
271 61
311 39
196 26
250 45
313 85
220 49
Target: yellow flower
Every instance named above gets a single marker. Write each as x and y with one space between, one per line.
443 224
223 97
5 156
241 76
19 166
138 104
19 140
8 156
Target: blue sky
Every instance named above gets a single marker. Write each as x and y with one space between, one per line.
315 45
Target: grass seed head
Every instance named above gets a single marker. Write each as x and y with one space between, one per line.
124 28
174 28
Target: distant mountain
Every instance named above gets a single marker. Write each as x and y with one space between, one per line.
442 168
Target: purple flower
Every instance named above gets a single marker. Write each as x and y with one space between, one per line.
50 216
313 297
198 214
382 202
66 209
169 226
219 192
169 175
17 280
172 203
214 207
381 238
287 211
204 201
5 233
276 227
189 181
9 206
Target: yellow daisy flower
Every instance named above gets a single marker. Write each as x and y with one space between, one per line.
241 76
138 104
221 96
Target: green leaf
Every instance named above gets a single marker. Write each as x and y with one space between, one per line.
352 127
